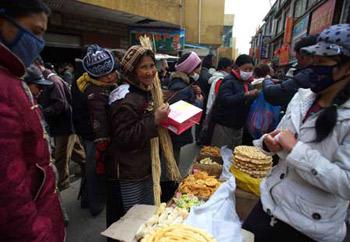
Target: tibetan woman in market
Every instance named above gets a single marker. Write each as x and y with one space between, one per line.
134 122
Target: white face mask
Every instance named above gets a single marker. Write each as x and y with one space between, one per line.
195 76
246 75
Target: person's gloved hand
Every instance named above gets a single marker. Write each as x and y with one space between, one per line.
101 147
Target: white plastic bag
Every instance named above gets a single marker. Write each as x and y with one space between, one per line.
226 155
218 215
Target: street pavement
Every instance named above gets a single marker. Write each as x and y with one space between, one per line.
85 228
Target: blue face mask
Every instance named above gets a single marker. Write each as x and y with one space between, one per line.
26 45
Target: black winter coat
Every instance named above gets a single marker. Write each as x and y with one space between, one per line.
282 93
97 100
81 114
56 105
203 81
231 105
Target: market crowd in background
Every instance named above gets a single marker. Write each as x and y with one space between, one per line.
99 113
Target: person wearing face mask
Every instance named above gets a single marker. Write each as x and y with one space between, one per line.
134 122
233 100
280 94
184 86
306 196
29 206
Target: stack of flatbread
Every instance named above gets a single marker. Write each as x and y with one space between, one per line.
252 161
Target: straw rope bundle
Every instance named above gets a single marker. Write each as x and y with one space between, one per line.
164 140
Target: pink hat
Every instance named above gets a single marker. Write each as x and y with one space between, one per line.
189 64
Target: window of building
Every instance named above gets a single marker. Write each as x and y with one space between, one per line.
311 3
285 15
283 2
270 26
278 25
227 37
300 7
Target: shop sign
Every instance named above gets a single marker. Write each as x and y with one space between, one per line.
288 30
264 48
300 28
164 40
322 17
284 55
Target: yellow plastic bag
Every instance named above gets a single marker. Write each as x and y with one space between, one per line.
246 182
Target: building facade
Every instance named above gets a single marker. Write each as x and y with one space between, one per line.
288 21
116 24
228 46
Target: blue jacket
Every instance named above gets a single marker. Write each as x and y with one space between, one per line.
231 106
181 85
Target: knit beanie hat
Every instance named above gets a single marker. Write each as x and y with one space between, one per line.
98 61
189 64
244 59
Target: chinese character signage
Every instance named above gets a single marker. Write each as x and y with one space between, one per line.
322 17
164 40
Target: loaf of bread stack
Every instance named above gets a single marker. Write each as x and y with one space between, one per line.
252 161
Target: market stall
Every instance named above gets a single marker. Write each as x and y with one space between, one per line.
205 203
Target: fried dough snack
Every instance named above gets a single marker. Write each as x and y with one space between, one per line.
211 151
164 216
199 184
178 233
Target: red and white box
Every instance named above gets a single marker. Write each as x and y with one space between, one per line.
182 116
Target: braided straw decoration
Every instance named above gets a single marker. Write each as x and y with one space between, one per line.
164 138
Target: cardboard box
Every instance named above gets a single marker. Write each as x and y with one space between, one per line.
182 117
125 229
